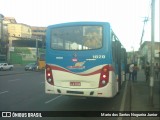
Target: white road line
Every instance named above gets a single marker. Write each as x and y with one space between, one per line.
3 92
123 100
41 83
14 80
53 99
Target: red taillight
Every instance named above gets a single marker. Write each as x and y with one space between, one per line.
104 77
49 76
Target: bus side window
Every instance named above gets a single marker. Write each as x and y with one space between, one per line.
113 48
122 55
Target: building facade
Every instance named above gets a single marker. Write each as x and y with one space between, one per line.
40 33
21 45
4 37
19 30
145 52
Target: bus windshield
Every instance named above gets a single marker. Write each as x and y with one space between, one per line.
76 38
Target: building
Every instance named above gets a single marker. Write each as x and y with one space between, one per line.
21 43
21 46
9 20
145 52
19 36
4 36
19 30
6 21
40 33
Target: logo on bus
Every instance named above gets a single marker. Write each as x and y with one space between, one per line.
78 65
74 59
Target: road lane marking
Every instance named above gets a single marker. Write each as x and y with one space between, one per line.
123 100
14 80
3 92
42 83
53 99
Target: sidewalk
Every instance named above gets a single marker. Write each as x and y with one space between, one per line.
140 95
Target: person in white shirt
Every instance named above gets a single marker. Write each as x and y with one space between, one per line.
131 71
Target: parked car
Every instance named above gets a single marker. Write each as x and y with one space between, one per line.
31 67
6 66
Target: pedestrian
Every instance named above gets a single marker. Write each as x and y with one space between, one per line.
131 71
127 68
135 70
156 70
147 71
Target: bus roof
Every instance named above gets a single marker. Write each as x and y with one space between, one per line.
78 23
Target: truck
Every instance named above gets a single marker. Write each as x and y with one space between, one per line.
6 66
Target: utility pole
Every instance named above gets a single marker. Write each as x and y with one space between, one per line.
152 51
37 52
1 33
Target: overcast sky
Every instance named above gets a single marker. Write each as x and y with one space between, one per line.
125 16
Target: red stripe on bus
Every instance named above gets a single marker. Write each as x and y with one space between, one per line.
62 69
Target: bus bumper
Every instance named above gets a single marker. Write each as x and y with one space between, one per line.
107 91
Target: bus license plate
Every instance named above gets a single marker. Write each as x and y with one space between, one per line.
75 84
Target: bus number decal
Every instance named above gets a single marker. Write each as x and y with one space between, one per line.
99 56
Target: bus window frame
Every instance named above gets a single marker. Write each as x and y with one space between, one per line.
103 40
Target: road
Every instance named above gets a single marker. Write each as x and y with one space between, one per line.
25 92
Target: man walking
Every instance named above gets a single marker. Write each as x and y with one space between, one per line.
147 71
135 70
156 70
131 71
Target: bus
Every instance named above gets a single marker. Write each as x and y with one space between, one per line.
84 59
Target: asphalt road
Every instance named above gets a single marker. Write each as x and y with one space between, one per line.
25 92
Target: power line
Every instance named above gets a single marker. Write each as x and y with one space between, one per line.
146 19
